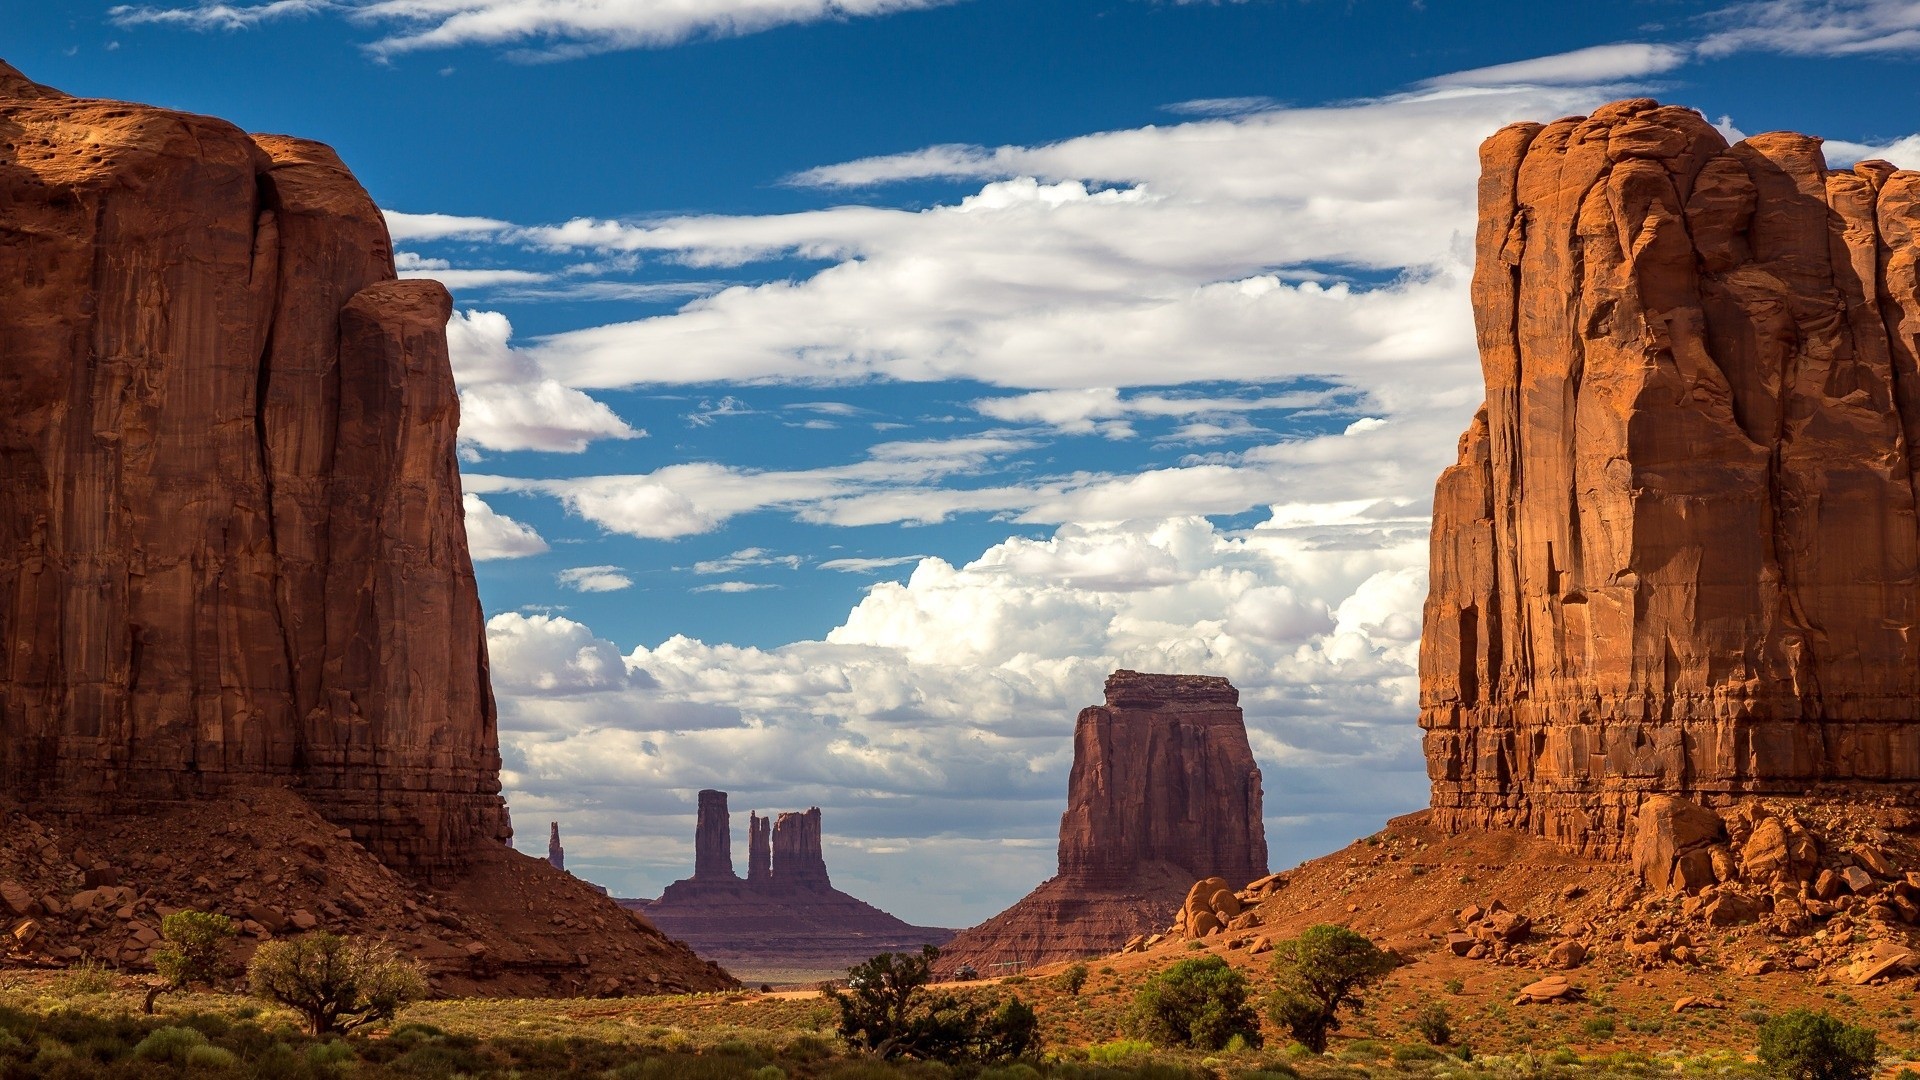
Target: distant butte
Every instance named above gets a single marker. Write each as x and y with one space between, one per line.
786 921
1164 791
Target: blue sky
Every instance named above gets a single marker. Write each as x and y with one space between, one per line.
850 385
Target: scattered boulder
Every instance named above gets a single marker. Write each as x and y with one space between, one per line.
1553 988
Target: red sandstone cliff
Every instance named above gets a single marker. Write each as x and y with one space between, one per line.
1679 552
232 550
1164 791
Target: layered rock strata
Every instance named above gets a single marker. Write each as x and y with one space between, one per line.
1679 553
786 921
1164 790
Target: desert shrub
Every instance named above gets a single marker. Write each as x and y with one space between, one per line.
337 983
1806 1045
169 1044
1199 1002
193 950
1416 1052
1598 1027
1434 1023
1119 1052
85 977
1072 979
1318 974
888 1010
210 1057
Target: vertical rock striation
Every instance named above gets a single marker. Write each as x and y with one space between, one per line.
556 855
1164 791
713 839
1163 773
759 849
797 856
232 549
1678 554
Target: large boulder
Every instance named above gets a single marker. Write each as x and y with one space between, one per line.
1673 840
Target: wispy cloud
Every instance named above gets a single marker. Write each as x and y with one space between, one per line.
1598 64
594 579
529 29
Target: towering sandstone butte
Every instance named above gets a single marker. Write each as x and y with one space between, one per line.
1679 551
1164 791
797 857
232 550
713 839
231 536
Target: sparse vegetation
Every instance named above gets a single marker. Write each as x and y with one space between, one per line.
1806 1045
888 1010
193 952
1434 1023
337 983
1073 979
1320 973
1199 1002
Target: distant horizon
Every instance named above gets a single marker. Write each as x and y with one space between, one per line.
848 388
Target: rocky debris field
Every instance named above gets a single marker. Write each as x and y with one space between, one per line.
511 925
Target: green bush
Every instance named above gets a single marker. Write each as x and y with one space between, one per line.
1199 1002
1598 1027
1072 979
1318 974
1806 1045
210 1057
1434 1023
193 950
85 977
169 1044
337 983
888 1010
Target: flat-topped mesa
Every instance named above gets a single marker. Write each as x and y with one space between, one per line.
1679 552
797 856
232 544
713 839
1164 792
1162 773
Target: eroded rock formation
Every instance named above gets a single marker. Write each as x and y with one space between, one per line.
1164 791
786 921
231 538
556 855
759 848
232 549
797 856
1678 554
713 839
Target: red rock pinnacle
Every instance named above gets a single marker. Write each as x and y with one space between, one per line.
713 839
1679 552
797 857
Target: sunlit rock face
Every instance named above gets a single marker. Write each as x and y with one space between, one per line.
232 548
1679 551
1164 791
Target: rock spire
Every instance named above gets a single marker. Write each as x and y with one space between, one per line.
759 848
556 855
713 839
1679 553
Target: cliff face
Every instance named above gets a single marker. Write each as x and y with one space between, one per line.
713 839
231 538
1679 551
1162 773
1164 791
797 855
